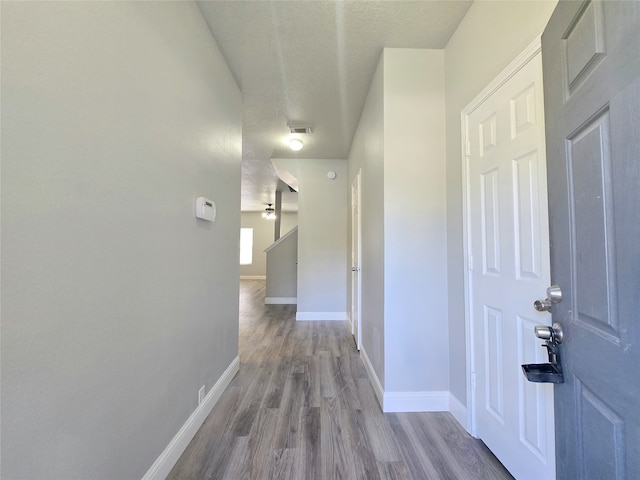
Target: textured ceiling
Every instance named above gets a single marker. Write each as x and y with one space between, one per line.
311 63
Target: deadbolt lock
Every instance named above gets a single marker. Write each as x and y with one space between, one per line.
554 295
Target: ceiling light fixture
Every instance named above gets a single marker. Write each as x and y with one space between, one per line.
269 212
295 131
295 144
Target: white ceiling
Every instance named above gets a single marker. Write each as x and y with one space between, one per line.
311 63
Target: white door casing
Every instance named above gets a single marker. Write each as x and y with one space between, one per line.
356 282
507 255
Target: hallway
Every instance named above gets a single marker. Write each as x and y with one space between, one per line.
302 407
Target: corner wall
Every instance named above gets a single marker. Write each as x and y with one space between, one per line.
322 237
489 37
399 146
415 240
282 270
117 303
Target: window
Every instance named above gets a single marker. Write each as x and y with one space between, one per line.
246 246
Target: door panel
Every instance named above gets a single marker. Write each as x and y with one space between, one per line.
490 232
525 190
592 101
508 234
590 198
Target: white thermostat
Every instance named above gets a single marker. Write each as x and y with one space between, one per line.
331 175
205 209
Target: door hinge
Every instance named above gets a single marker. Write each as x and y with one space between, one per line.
467 149
470 262
473 380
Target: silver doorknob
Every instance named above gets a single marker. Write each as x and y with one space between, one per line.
542 305
554 295
553 333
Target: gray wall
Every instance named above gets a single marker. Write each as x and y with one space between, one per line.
415 241
282 267
263 237
288 222
490 36
117 304
367 154
322 236
399 145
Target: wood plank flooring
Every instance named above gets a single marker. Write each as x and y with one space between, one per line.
302 408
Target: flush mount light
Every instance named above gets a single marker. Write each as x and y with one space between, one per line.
295 131
295 144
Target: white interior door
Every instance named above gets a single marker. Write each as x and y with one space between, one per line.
508 247
355 259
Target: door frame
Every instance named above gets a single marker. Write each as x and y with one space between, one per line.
356 296
535 48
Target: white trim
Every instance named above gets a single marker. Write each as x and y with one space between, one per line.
468 294
321 316
431 401
514 67
459 411
168 458
504 76
435 401
280 300
253 277
357 181
373 378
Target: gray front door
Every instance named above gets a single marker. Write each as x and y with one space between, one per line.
591 62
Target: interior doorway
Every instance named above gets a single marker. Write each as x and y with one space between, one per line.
356 230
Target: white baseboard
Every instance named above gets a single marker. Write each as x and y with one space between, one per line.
430 401
373 378
459 412
321 315
253 277
434 401
168 458
281 300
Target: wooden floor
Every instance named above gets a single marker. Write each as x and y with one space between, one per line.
302 408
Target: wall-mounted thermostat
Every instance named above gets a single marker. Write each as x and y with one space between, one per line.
331 175
205 209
